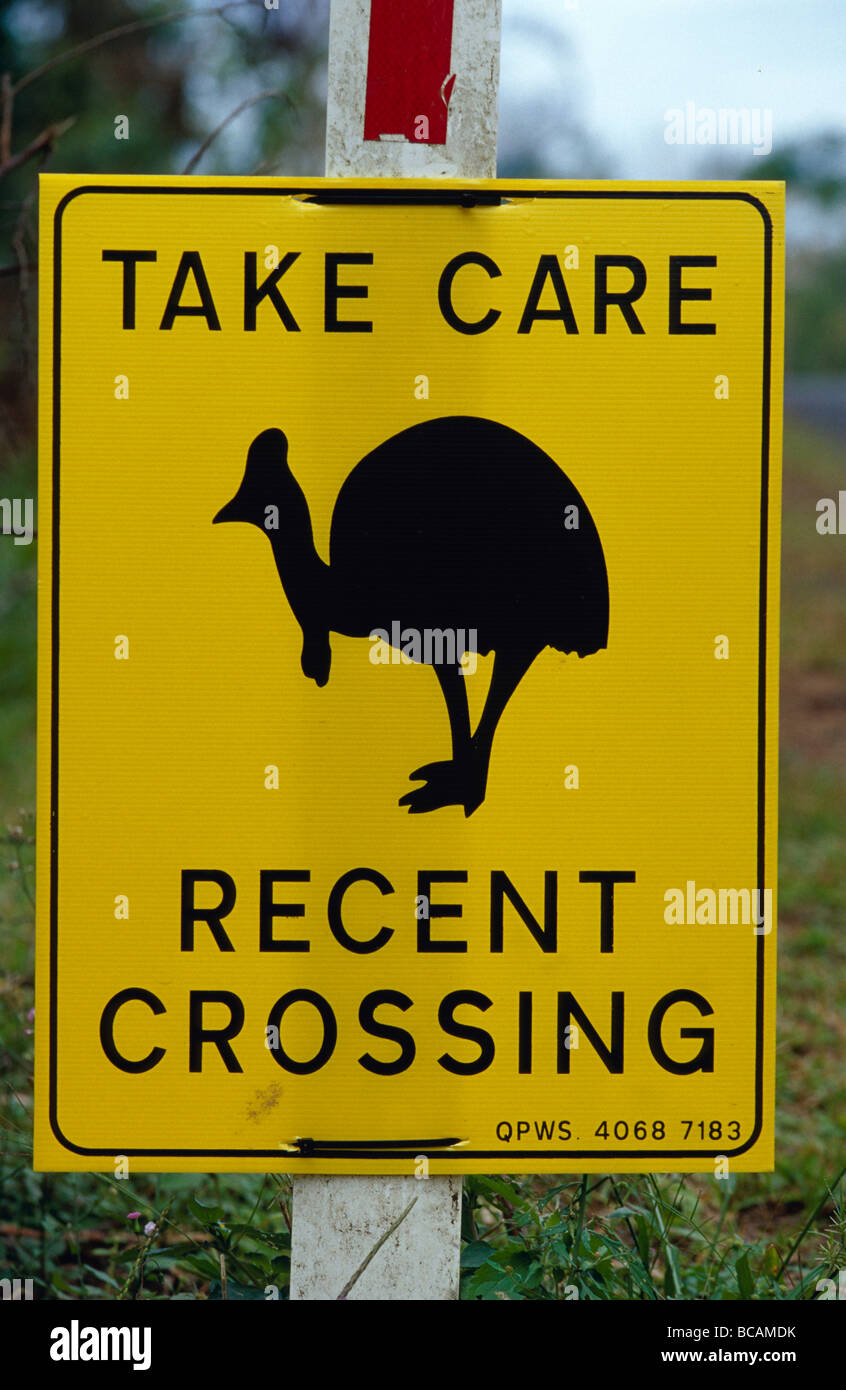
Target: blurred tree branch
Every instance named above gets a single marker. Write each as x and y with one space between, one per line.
6 98
251 101
9 89
42 143
121 30
67 65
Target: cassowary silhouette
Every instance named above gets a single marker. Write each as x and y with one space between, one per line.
457 524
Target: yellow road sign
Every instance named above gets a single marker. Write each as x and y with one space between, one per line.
432 829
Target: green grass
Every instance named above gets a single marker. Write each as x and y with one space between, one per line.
760 1236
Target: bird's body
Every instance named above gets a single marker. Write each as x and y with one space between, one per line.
457 524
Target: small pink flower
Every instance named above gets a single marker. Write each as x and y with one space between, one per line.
132 1215
30 1016
150 1228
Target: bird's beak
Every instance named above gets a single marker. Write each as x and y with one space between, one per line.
227 513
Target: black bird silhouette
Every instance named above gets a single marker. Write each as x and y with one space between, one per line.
459 523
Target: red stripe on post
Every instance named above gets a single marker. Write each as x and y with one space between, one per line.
408 74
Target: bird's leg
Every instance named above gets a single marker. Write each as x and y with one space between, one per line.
447 782
455 695
509 669
317 654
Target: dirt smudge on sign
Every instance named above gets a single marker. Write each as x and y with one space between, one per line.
264 1101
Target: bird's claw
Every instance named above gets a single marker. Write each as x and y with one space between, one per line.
447 784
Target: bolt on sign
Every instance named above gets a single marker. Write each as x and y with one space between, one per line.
408 675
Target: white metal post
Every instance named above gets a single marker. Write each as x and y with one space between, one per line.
337 1221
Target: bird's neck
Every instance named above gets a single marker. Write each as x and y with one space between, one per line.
305 578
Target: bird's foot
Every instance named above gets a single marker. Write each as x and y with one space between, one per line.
317 657
447 784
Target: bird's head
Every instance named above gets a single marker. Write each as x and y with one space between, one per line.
267 463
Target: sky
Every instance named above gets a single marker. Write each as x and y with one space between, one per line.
624 63
610 70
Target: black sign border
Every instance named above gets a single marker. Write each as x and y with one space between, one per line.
425 195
